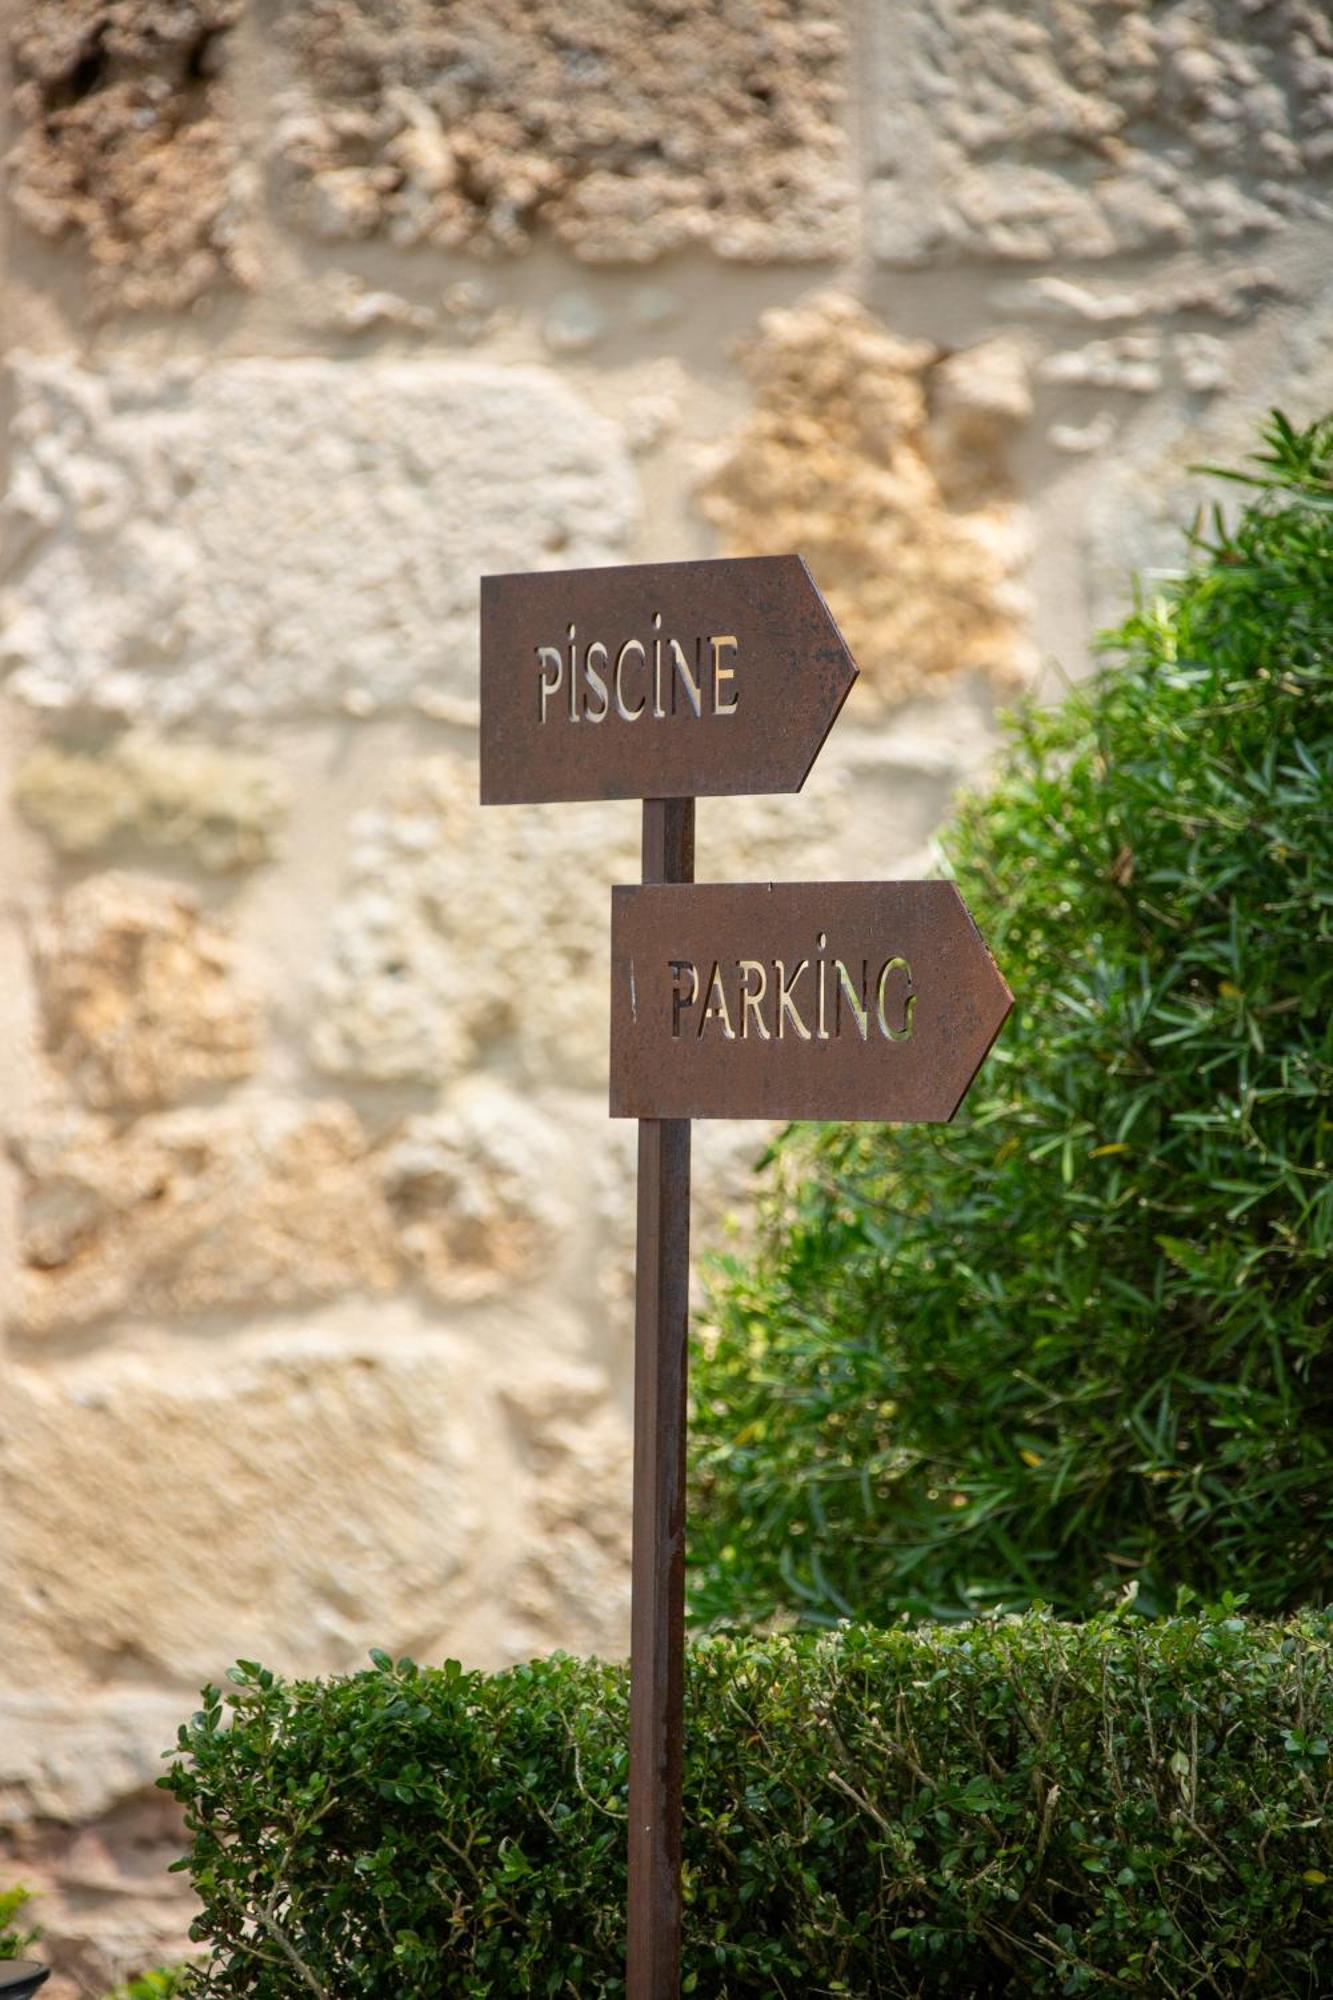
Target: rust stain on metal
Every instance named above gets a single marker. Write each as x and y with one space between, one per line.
847 1000
656 680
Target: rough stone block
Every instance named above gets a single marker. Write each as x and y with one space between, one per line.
268 538
573 1587
1125 361
476 1192
62 1759
141 1001
907 523
124 140
466 936
1096 128
218 807
627 131
250 1206
296 1505
475 939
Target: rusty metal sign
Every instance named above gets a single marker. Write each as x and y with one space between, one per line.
847 1000
656 680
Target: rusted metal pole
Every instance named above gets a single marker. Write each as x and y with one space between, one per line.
657 1618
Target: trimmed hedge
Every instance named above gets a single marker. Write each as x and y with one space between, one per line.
1017 1807
1084 1337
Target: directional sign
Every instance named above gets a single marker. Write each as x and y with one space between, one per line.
656 680
850 1000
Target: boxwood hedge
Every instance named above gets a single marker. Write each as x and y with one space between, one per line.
1014 1807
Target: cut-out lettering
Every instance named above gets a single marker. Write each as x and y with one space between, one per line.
685 678
752 1002
786 1004
659 708
715 1005
551 671
721 673
657 680
596 683
908 1000
860 1006
682 996
630 646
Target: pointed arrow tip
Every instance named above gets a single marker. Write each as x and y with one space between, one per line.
842 671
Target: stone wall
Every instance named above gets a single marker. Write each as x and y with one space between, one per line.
315 1237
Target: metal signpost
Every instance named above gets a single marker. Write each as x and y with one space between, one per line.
662 682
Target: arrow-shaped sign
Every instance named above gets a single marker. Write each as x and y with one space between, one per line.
656 680
873 1000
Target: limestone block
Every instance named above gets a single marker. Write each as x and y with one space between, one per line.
1127 361
1077 439
124 140
1097 128
467 937
268 538
573 1587
103 1895
627 131
980 398
478 1192
1222 288
1203 361
140 999
220 808
724 1154
911 535
65 1760
1145 501
470 938
295 1502
262 1204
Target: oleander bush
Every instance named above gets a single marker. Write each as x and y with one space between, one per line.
1082 1339
1017 1807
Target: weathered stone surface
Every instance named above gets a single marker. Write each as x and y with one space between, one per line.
467 936
1147 497
573 1589
107 1906
250 1206
1221 288
294 1505
912 536
1128 361
979 398
141 1000
62 1759
1095 128
470 938
628 132
475 1191
124 140
1203 361
723 1153
272 537
218 807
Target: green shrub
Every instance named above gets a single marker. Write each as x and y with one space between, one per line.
15 1937
1019 1807
1082 1339
167 1983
